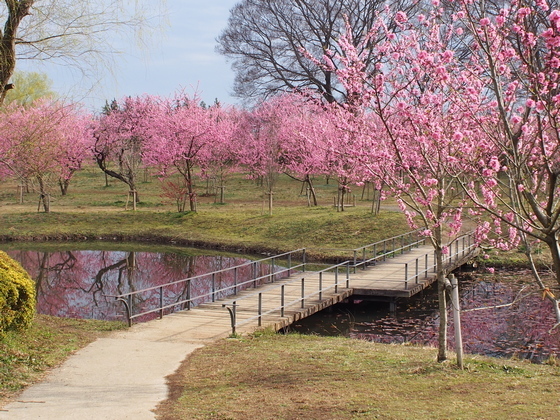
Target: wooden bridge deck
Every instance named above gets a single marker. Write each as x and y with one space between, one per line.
300 295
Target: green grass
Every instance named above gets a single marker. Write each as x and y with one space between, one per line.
307 377
92 211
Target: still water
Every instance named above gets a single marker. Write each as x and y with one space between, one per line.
490 325
82 283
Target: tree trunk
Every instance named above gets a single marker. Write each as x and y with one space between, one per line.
16 12
311 189
269 193
64 184
554 247
44 198
442 306
190 188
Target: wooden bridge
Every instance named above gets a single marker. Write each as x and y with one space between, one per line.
398 267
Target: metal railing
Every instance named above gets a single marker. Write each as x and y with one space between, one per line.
458 248
303 296
275 272
414 269
387 248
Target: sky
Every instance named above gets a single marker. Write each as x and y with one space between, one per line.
182 57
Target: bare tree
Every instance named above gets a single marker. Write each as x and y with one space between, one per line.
265 40
73 33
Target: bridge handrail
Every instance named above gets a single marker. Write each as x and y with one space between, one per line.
463 244
126 298
405 245
212 294
232 304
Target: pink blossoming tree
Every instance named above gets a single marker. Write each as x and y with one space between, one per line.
45 142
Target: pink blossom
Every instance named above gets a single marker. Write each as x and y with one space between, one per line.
401 17
484 22
555 18
523 12
542 4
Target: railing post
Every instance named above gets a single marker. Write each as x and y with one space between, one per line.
213 287
289 264
347 276
363 259
426 267
188 294
320 286
254 265
282 301
131 310
406 275
402 244
260 309
303 292
126 308
160 302
271 276
384 250
336 280
235 281
232 314
416 271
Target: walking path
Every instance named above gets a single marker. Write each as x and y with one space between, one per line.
121 376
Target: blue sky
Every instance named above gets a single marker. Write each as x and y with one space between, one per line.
182 57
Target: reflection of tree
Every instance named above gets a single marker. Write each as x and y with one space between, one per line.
521 329
80 283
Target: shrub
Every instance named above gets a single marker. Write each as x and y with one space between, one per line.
17 295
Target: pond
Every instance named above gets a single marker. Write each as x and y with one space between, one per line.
84 283
490 326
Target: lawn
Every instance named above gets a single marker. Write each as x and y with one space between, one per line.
291 376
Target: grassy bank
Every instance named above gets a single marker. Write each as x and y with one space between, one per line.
93 210
307 377
25 356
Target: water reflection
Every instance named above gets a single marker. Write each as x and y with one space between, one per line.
81 284
521 330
